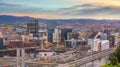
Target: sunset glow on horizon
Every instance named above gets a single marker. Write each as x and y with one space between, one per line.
59 9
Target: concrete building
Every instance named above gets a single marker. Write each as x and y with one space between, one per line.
112 41
100 45
105 44
45 54
1 41
25 38
72 35
74 43
56 35
116 36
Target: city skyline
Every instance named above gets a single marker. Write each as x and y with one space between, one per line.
59 9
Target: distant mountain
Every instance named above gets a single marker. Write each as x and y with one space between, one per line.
15 19
7 19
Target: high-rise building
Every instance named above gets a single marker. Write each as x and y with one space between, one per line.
1 43
51 24
32 28
50 35
56 35
64 33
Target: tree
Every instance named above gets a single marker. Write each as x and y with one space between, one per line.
117 53
115 59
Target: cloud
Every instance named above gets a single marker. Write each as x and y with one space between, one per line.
13 8
91 9
5 4
93 1
87 9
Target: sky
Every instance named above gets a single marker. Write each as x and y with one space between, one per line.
62 9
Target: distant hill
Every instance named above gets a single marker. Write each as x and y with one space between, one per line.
15 19
7 19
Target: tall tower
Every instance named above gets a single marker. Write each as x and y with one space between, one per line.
1 41
32 28
51 24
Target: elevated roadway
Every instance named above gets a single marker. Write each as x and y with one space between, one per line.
88 58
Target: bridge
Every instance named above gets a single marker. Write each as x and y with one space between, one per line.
12 49
78 62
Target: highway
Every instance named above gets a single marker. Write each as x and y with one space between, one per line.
11 49
87 59
79 61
